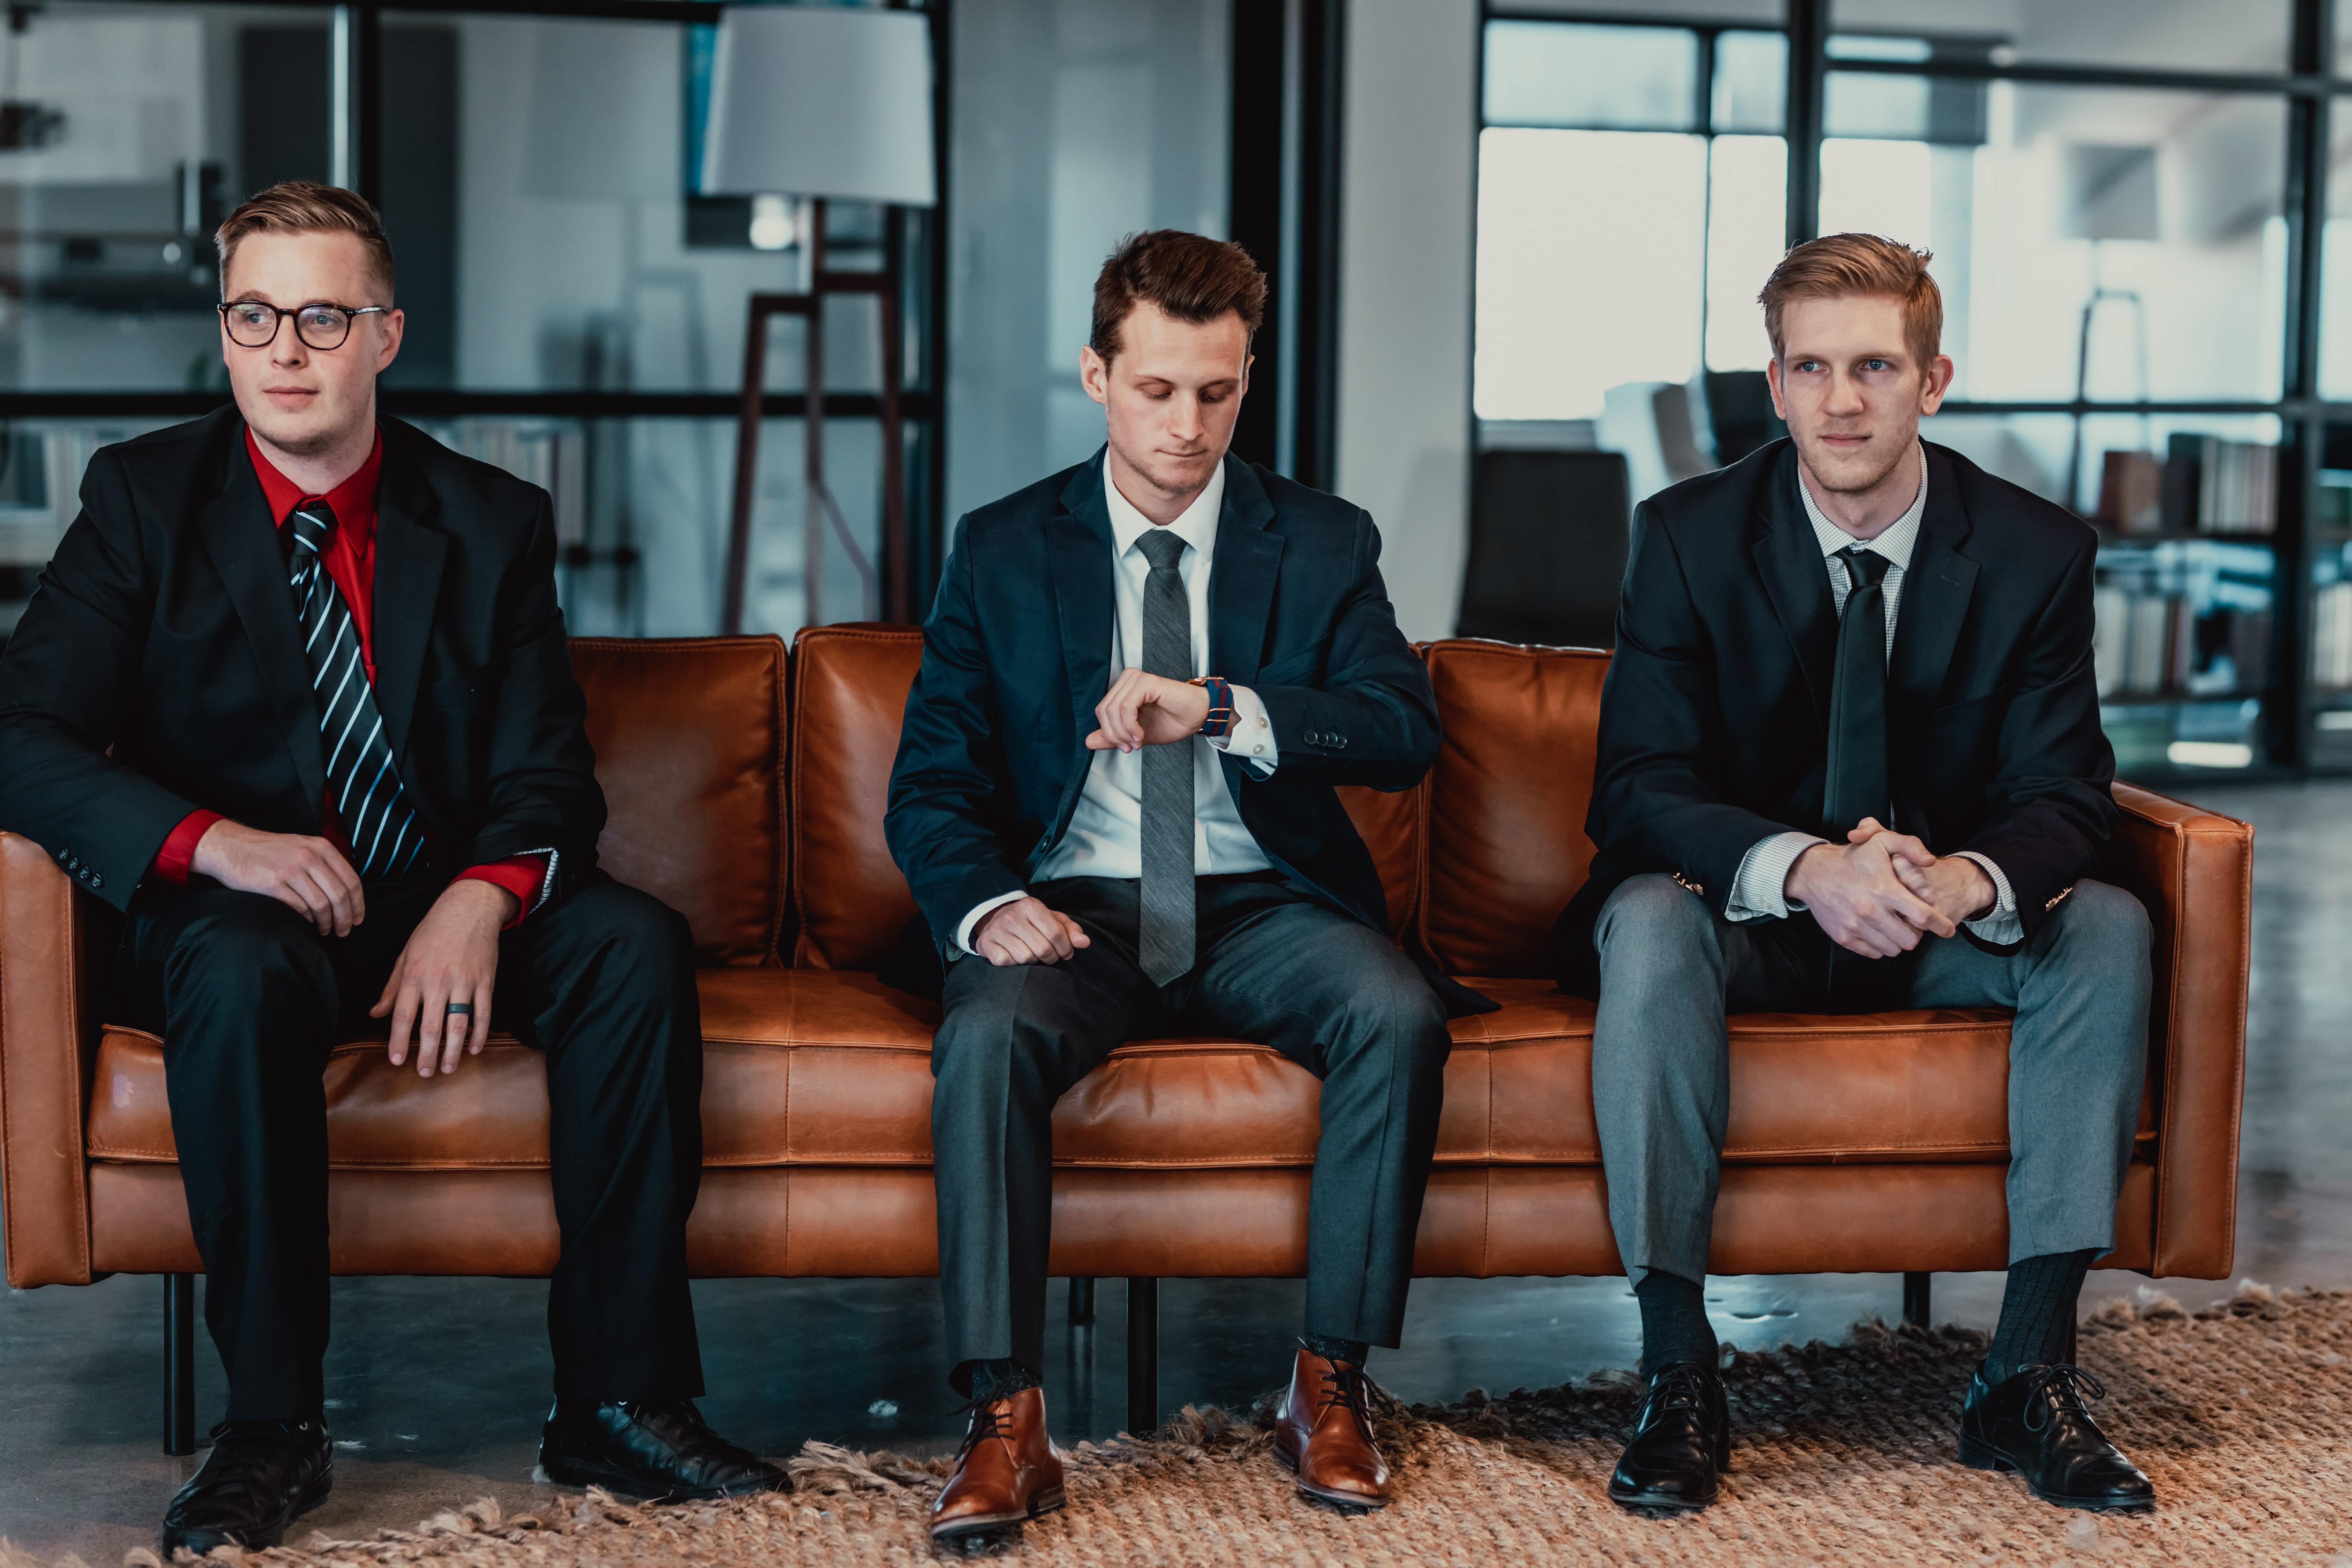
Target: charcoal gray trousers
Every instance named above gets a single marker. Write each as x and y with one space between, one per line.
1670 969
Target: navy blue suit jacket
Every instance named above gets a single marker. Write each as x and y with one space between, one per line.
1016 653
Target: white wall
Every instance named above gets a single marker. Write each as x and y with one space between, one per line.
1408 179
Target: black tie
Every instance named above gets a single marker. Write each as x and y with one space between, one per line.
1166 917
1857 785
361 780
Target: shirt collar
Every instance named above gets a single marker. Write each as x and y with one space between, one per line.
353 501
1197 526
1902 536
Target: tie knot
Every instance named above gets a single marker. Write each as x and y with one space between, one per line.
1161 548
310 521
1864 568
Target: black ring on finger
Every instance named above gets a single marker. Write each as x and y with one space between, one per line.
461 1009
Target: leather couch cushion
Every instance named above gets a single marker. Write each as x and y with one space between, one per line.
689 739
818 1067
1507 799
849 694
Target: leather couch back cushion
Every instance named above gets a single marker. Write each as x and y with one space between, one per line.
689 739
1508 797
849 694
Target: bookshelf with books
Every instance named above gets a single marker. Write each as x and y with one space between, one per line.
2183 640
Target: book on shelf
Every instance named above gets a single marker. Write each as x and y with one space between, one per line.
2131 493
2212 485
2149 644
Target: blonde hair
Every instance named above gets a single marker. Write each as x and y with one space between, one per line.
306 206
1840 266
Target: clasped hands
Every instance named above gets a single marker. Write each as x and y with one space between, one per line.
451 956
1877 893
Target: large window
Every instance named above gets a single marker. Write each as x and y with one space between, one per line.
576 306
2130 208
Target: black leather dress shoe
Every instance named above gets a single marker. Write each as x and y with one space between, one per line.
1682 1441
260 1477
2035 1423
653 1448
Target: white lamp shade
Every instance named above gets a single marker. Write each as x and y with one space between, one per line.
822 101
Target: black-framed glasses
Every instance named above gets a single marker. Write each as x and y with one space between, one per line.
253 323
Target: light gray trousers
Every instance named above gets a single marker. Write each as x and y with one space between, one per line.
1670 969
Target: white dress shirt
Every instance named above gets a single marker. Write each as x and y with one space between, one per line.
1759 891
1105 835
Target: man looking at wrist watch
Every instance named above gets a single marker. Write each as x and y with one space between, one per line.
1113 801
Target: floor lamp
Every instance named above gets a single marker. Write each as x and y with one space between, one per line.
2110 194
821 102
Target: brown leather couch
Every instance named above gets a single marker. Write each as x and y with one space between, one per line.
748 792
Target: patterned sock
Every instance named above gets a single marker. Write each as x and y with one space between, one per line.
1673 1323
2037 1314
1332 1348
1000 1378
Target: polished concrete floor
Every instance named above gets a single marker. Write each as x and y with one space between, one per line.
436 1387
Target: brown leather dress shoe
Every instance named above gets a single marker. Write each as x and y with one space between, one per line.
1007 1472
1324 1434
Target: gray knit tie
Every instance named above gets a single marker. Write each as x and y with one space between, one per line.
1164 924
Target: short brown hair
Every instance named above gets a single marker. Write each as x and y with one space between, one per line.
306 206
1189 276
1840 266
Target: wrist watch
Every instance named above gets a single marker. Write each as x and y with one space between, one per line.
1220 721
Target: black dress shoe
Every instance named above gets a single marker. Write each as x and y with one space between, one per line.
653 1448
1682 1441
260 1477
2035 1423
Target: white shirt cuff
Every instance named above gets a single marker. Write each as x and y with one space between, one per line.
1760 890
2000 926
1252 736
979 912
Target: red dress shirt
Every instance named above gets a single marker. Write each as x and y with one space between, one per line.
350 561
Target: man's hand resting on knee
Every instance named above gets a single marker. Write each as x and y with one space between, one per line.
451 956
1027 931
1856 895
309 875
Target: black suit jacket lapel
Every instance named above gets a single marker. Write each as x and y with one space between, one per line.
408 561
1788 558
1246 562
1078 554
241 537
1936 593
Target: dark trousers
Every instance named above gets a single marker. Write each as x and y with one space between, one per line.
1333 996
249 999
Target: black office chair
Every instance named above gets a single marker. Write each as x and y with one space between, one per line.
1547 548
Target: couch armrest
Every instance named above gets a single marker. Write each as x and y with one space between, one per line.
47 1051
2194 871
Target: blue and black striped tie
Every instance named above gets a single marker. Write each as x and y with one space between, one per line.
386 838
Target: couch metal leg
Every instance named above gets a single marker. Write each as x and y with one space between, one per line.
1082 1301
179 1363
1916 1309
1142 1356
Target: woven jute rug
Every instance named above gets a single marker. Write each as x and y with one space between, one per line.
2242 1415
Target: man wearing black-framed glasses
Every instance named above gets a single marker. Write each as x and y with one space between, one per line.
295 696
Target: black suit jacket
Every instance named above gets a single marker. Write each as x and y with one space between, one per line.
1016 654
158 667
1714 718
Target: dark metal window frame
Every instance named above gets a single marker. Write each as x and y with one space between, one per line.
921 403
2309 86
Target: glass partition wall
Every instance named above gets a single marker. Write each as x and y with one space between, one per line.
575 304
2130 205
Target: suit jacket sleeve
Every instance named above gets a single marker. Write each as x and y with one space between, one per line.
1656 804
542 792
1373 719
69 689
2053 806
948 786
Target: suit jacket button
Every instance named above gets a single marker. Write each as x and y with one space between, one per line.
98 879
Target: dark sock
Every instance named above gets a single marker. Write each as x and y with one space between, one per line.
2037 1314
997 1379
1332 1348
1673 1323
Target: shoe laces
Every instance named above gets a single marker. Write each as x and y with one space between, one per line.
989 1419
244 1452
1680 1385
2056 1392
1346 1386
